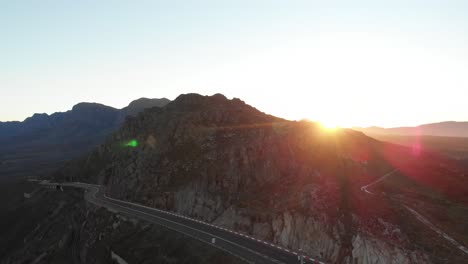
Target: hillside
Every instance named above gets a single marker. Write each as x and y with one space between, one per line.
453 147
292 183
444 129
41 143
60 227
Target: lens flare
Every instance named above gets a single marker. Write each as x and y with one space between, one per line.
132 143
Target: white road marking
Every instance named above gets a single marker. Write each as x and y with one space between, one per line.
209 234
97 189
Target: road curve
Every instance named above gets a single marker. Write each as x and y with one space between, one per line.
418 216
364 188
242 246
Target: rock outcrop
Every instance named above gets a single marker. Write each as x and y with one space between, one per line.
292 183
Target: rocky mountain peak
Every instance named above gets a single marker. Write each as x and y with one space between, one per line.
193 101
90 107
138 105
213 105
210 111
36 117
144 101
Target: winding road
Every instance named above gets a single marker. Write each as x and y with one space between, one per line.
364 188
418 216
242 246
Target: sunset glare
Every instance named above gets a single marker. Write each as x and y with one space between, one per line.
328 125
338 62
229 131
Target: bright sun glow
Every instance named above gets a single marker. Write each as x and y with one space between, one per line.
329 125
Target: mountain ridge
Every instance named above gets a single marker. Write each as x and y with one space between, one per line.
445 128
288 182
44 141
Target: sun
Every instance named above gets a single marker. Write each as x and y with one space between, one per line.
328 125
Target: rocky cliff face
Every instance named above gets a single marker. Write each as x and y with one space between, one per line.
288 182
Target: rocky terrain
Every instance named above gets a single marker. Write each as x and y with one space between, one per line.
42 143
288 182
60 227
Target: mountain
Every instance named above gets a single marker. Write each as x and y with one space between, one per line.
453 147
61 227
140 104
291 183
42 142
446 129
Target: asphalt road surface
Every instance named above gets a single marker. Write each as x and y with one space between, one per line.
245 247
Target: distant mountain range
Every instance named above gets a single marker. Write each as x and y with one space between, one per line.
41 142
446 129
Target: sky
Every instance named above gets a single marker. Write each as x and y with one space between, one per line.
347 63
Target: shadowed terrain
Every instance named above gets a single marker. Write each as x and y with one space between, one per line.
288 182
60 227
42 143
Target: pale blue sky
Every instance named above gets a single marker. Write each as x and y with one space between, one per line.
386 63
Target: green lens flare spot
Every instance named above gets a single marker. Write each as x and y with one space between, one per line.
132 143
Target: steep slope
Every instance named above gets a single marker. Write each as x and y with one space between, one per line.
288 182
42 142
445 129
60 227
454 147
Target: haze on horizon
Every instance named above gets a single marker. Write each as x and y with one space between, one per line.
393 63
